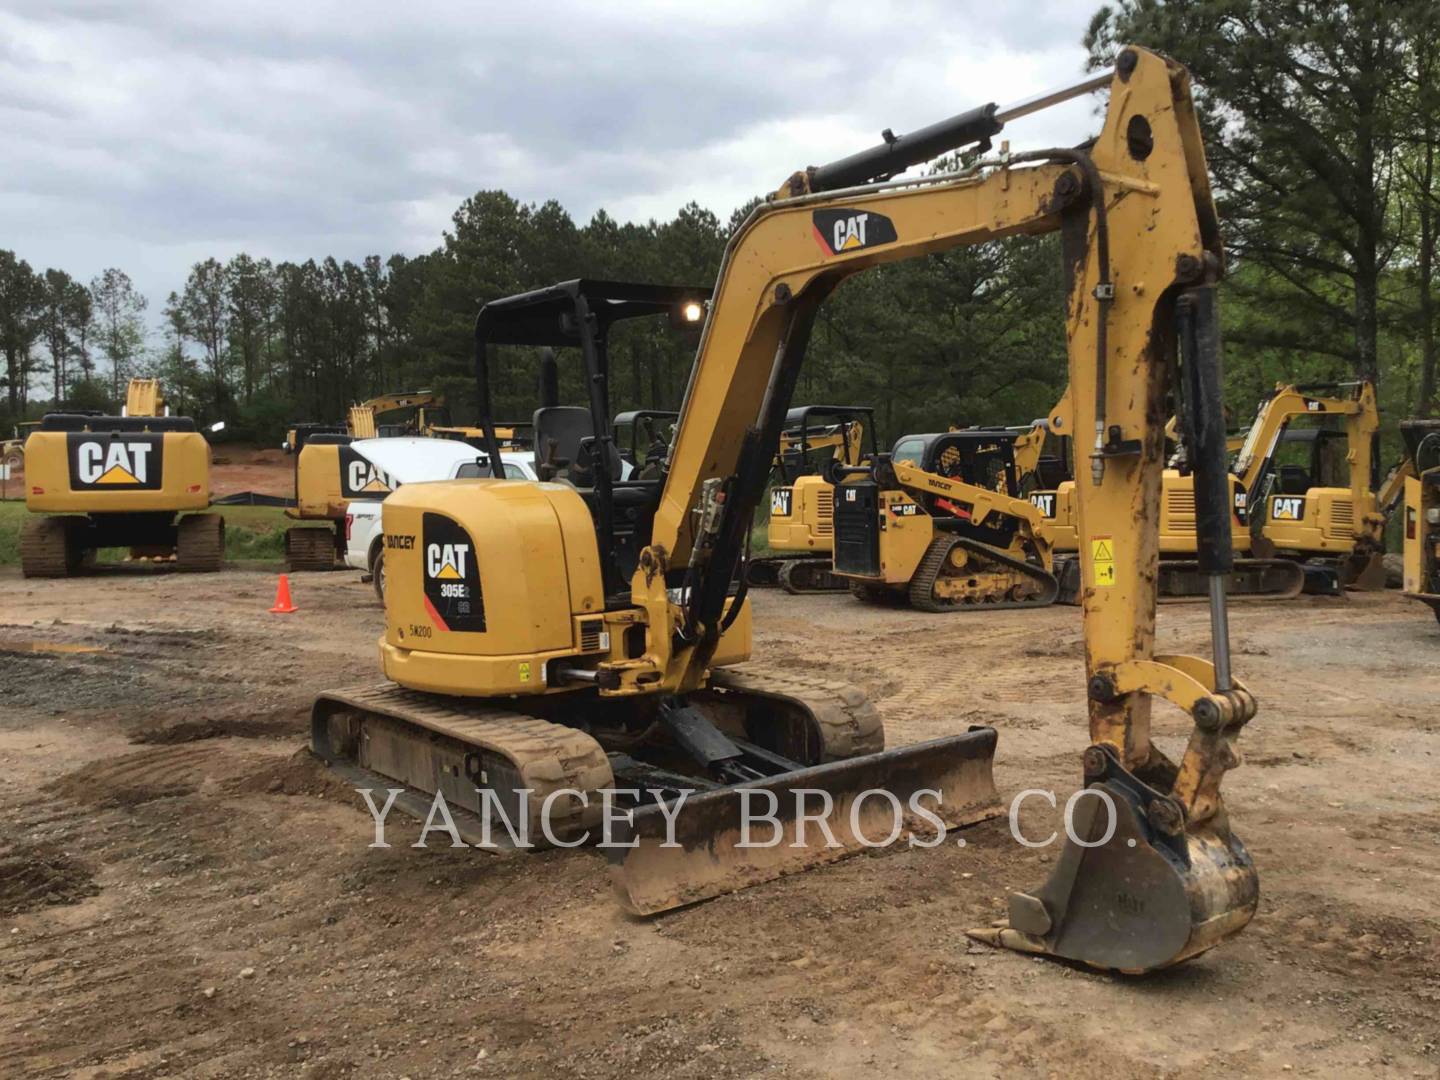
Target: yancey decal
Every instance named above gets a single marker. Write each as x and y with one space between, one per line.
780 502
360 477
841 231
1287 508
1044 501
118 463
452 576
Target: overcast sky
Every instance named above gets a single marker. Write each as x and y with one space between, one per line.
148 134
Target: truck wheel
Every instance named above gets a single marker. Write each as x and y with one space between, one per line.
200 543
377 574
49 547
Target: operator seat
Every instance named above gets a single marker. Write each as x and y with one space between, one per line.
1292 480
560 431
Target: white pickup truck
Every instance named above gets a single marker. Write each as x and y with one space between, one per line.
411 461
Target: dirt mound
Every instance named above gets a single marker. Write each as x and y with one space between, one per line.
302 773
186 727
34 877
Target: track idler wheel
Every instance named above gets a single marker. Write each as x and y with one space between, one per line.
1140 890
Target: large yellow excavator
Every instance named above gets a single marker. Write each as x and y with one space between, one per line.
545 640
131 481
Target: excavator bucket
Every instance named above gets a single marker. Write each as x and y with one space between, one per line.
734 837
1134 889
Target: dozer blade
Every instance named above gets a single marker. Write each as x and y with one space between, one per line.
702 855
1146 898
1252 579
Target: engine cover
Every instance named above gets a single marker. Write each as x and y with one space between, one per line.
484 580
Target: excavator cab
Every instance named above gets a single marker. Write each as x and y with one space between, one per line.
575 444
1311 464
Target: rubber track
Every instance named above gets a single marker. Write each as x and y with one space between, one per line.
922 585
548 757
44 548
309 548
1174 572
200 543
848 722
817 569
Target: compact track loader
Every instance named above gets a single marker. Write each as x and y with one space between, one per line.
548 639
1422 512
801 528
130 481
940 523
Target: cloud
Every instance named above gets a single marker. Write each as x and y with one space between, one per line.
146 135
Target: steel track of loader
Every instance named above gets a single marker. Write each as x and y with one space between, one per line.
932 567
310 548
48 548
200 543
1180 580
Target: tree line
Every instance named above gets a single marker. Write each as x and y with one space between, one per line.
1323 124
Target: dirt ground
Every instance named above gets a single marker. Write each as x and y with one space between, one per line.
182 893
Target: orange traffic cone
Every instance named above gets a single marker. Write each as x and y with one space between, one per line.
283 606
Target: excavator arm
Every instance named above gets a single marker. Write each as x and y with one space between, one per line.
1142 253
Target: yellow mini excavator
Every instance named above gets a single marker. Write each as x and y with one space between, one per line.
1180 576
1311 469
1422 512
127 481
800 532
545 640
941 523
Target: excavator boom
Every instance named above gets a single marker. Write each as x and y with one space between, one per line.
1133 210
